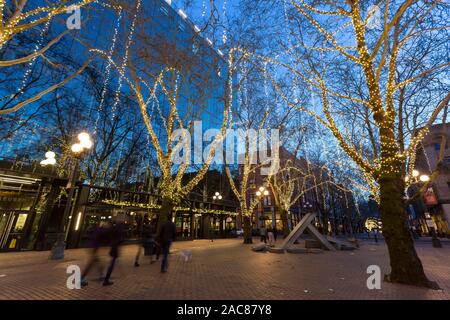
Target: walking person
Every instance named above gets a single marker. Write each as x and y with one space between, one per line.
167 233
99 238
263 233
148 243
271 237
275 233
116 236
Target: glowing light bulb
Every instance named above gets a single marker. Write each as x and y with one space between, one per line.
50 155
424 178
84 136
87 144
77 148
415 173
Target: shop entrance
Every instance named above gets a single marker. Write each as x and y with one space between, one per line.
12 224
183 224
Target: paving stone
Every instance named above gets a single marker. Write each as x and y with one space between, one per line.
223 269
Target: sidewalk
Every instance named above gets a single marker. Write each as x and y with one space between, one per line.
223 269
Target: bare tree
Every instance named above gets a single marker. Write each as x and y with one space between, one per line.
332 40
16 21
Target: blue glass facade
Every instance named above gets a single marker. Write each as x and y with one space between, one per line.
162 37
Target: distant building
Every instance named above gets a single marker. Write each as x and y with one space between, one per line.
335 207
436 199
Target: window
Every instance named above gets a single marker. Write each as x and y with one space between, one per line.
447 160
181 27
195 47
437 146
164 10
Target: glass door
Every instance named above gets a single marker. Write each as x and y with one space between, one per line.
12 224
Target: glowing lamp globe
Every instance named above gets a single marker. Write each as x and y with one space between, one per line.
84 136
77 148
50 155
87 144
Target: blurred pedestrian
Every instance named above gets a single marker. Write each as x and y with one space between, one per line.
116 236
167 234
147 242
275 233
263 233
271 237
99 238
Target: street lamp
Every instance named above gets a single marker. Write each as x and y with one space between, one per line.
84 143
49 159
307 206
217 196
416 177
261 193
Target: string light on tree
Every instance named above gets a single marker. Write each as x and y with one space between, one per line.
108 71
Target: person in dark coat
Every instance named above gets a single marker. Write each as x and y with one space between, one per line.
275 232
147 242
116 233
167 234
99 238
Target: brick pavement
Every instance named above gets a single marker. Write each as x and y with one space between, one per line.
223 269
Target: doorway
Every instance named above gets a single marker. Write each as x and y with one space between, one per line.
12 225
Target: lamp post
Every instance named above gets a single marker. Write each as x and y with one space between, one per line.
84 143
307 207
261 193
418 178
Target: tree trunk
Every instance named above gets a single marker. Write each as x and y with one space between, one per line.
406 266
247 229
167 206
284 219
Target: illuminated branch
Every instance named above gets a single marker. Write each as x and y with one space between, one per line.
8 63
12 26
39 95
325 33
